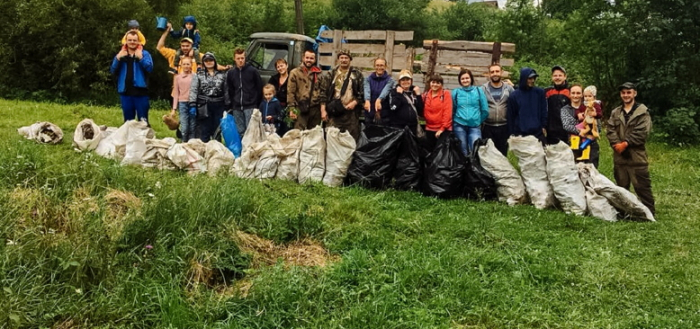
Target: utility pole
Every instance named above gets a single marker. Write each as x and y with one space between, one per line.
300 16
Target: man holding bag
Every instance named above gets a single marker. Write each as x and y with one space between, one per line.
342 96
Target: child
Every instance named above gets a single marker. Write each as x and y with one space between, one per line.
270 108
589 96
181 94
189 30
134 26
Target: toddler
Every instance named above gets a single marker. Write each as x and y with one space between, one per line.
189 30
270 108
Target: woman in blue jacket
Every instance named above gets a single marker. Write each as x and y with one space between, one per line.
470 110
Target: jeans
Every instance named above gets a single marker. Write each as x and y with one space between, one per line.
135 106
467 136
242 119
499 135
208 125
188 123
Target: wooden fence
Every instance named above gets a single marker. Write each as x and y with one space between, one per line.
365 46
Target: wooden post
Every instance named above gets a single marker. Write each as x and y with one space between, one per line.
299 16
432 61
337 44
389 50
496 54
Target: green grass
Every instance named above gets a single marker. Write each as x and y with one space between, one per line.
70 258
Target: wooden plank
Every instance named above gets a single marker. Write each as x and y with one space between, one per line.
389 46
399 61
370 35
486 47
361 48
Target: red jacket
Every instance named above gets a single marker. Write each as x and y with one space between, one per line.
437 110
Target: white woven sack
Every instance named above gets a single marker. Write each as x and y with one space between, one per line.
135 145
113 145
533 164
563 176
509 184
339 150
312 164
43 132
87 135
623 200
268 161
288 153
156 155
254 133
599 207
218 157
185 157
244 167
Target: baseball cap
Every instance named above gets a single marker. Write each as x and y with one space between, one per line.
627 85
186 40
533 74
558 67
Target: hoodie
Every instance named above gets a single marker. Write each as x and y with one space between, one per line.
527 108
272 108
557 98
185 33
244 88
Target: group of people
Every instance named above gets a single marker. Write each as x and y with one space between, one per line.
343 95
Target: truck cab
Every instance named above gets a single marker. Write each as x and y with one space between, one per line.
266 48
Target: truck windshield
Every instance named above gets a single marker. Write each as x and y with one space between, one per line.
268 53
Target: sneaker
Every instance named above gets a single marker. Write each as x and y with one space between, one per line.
172 71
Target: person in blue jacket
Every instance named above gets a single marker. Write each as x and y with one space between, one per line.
527 107
270 107
131 66
469 110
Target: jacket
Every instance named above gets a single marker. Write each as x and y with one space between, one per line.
397 110
299 86
281 89
437 110
527 108
557 97
206 88
497 110
469 106
355 86
185 33
272 108
243 88
141 69
377 87
634 131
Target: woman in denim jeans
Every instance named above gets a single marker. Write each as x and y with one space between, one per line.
470 110
181 95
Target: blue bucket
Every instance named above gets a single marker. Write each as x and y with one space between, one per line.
161 23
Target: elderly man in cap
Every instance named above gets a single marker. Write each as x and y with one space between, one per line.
558 96
342 96
527 107
627 130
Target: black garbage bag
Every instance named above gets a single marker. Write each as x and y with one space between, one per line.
479 184
410 163
374 162
445 167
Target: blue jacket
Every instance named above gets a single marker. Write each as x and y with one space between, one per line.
377 87
185 33
141 70
527 108
272 108
469 106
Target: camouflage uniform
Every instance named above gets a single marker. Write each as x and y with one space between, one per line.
350 120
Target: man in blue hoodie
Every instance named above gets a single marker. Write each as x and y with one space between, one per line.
243 90
131 66
527 107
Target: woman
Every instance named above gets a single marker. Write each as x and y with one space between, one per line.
470 110
376 88
569 120
207 97
437 111
404 105
279 80
181 97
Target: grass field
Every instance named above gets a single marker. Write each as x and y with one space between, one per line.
87 243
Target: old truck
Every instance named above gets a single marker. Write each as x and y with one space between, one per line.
265 48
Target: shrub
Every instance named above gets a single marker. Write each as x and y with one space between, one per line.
680 126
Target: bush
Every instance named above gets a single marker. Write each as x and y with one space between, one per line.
680 126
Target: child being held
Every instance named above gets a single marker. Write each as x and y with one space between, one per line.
189 30
134 26
270 108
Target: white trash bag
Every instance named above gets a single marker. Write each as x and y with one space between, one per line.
623 200
42 132
244 167
156 155
532 162
288 153
135 145
217 157
508 181
312 164
599 207
255 132
87 135
268 161
339 150
563 176
113 144
186 156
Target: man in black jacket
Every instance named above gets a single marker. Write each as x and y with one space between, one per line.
557 97
243 90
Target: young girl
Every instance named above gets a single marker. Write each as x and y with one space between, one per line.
181 94
470 110
270 108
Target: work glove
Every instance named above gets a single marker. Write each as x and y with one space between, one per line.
193 111
620 147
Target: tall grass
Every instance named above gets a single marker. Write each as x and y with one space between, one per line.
87 243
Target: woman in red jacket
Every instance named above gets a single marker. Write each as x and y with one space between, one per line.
437 111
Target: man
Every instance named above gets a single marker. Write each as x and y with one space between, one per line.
349 101
131 66
377 86
304 93
627 131
527 107
496 125
557 97
243 90
186 50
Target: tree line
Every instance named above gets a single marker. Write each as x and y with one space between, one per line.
61 50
